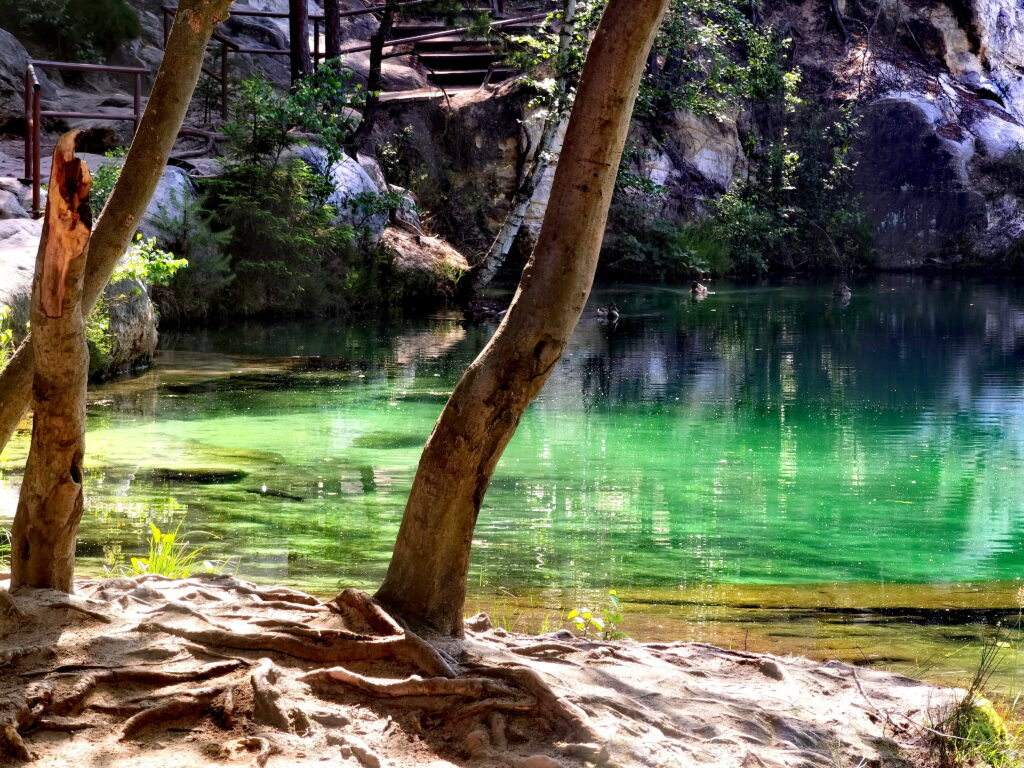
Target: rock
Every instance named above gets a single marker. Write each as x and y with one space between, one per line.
477 744
163 215
481 622
132 324
13 62
406 215
427 255
351 184
771 668
396 74
914 185
10 206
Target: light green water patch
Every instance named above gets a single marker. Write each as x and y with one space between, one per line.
764 439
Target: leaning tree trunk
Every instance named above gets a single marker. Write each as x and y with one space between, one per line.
542 157
50 504
165 111
298 39
426 580
373 76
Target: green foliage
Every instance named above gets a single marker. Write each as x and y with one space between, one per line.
286 251
76 30
973 733
6 335
393 157
145 262
98 338
170 556
104 179
798 209
605 626
5 549
188 231
710 56
265 123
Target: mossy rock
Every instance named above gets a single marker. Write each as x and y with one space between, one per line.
388 441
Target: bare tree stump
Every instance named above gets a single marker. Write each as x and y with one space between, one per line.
50 505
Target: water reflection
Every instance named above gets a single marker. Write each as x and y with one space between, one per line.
765 435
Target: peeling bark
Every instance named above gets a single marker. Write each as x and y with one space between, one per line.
50 504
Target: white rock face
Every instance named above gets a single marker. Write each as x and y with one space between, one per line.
132 315
1000 27
711 145
350 180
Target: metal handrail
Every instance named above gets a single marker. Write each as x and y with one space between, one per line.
34 112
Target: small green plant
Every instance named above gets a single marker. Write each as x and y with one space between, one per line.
104 179
73 30
973 732
6 334
145 262
5 549
605 626
170 556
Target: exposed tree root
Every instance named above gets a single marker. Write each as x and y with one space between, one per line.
12 744
471 687
210 649
191 704
8 607
76 698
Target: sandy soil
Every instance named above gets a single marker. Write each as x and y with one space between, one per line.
215 671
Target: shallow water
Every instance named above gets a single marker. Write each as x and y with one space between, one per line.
766 468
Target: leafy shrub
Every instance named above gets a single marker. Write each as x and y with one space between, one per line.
286 251
85 30
798 210
103 181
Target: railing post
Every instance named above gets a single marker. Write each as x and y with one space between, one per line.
224 82
138 101
28 122
36 141
316 43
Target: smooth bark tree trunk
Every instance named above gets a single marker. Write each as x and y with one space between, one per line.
542 159
50 504
426 579
373 76
332 29
298 39
165 111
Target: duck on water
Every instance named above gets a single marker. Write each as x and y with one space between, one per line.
609 313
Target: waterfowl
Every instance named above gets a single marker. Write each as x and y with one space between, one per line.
842 291
609 313
698 291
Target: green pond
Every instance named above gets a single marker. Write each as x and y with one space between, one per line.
767 468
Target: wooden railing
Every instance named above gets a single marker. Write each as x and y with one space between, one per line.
34 112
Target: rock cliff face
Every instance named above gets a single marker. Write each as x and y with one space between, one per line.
937 86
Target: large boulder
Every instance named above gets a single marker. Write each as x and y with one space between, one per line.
13 63
354 191
131 338
914 184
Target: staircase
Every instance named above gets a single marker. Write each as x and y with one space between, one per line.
459 61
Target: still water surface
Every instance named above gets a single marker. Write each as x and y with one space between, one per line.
766 468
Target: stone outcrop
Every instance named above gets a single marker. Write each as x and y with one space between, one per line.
132 334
